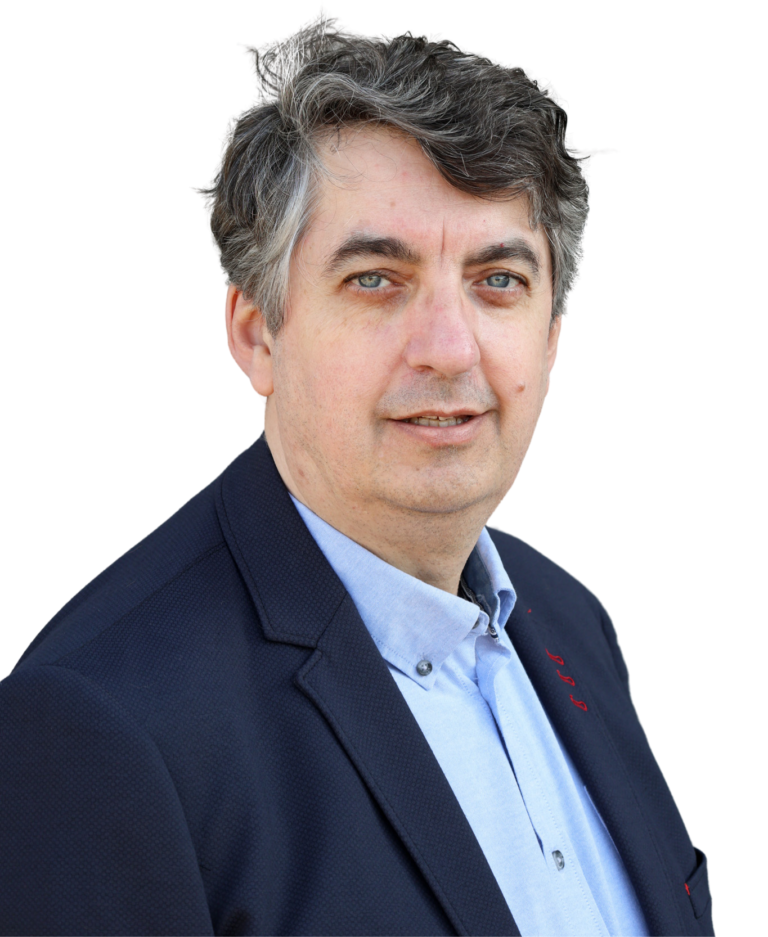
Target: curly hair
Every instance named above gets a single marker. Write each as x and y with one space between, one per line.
489 130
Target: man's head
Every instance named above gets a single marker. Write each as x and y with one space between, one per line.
400 225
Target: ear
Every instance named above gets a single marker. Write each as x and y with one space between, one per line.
250 341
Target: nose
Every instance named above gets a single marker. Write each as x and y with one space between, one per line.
441 335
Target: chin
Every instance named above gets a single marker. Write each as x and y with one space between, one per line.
443 495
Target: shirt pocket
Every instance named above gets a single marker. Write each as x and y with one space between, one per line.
697 886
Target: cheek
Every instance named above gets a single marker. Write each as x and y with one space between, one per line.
515 362
336 375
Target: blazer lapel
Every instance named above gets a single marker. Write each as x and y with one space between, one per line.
300 600
597 724
351 685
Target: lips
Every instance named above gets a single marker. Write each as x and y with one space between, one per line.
439 421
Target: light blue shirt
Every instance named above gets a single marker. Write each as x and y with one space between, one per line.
546 844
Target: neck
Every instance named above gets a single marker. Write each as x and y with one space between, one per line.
431 546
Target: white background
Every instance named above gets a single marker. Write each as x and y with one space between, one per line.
646 477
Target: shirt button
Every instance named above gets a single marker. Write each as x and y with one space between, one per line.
559 861
492 631
424 668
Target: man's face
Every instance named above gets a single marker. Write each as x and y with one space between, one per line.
415 353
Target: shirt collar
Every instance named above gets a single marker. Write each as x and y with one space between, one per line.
411 621
486 576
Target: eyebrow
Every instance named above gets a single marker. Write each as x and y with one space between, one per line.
362 245
514 249
392 248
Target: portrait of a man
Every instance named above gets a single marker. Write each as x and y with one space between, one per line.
325 697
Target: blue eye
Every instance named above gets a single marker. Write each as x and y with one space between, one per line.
499 280
370 281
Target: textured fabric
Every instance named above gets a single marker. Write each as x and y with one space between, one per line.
207 740
482 719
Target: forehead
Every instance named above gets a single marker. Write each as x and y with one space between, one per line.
378 181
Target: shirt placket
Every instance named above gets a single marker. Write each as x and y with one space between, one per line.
564 874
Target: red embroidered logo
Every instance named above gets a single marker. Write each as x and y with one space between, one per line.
688 889
569 680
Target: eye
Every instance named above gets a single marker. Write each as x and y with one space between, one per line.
371 281
501 281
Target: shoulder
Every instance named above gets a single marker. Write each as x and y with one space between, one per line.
158 637
172 631
177 554
558 597
533 574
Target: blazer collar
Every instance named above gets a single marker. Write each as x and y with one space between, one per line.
301 601
295 590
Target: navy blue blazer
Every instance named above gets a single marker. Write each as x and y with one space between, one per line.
206 740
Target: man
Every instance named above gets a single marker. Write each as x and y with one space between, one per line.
323 698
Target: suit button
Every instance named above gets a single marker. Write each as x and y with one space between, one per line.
424 668
559 861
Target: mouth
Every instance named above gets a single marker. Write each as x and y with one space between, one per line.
438 430
429 419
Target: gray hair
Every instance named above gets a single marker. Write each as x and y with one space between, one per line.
489 130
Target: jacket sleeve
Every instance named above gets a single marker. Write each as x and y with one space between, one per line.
93 839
